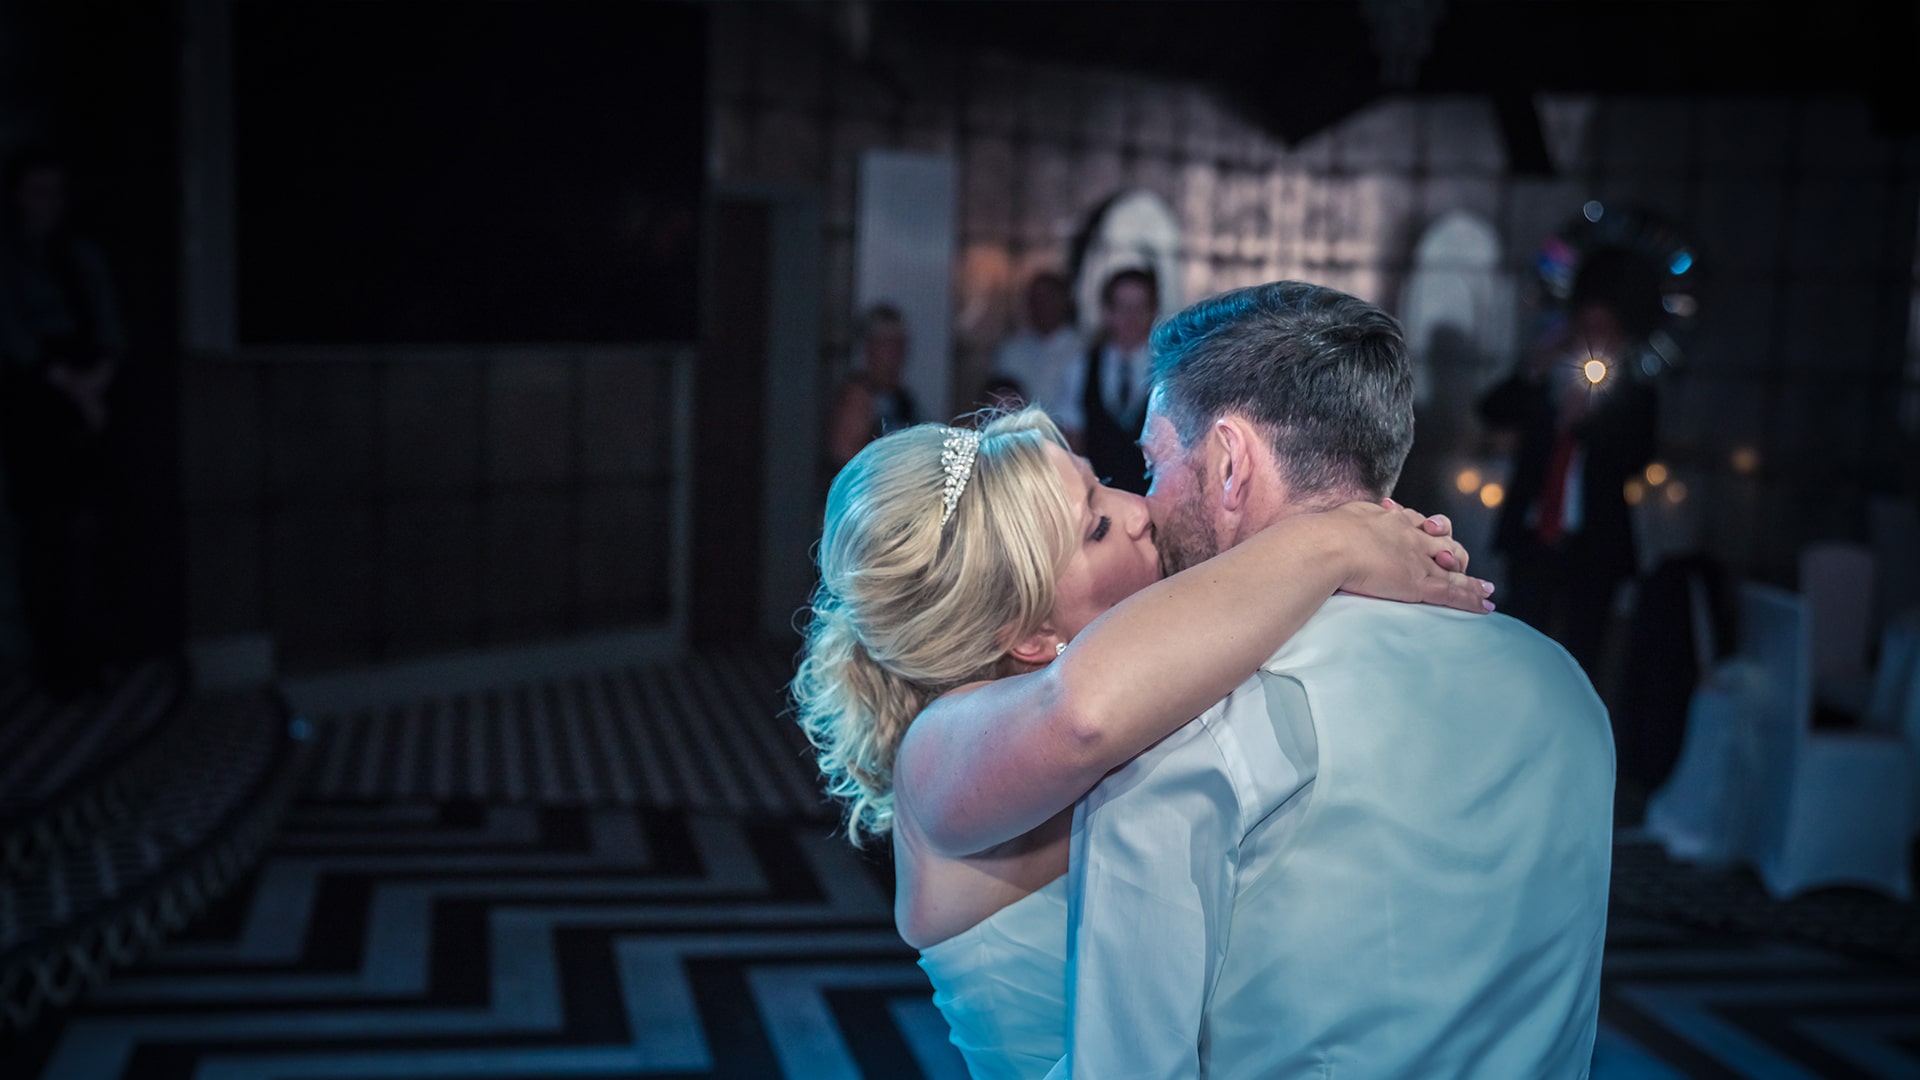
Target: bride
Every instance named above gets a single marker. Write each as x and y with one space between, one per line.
991 635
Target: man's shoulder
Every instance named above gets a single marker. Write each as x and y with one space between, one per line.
1359 630
1348 613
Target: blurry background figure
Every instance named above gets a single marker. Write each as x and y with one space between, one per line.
1104 400
1038 358
61 344
1457 310
1585 422
872 401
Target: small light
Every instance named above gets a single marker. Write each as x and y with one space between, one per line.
1595 369
1491 495
1593 210
1745 460
1681 263
1635 492
1468 481
1656 474
299 730
1676 492
1681 304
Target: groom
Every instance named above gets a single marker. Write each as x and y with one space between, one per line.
1386 853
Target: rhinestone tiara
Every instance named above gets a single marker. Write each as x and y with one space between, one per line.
956 460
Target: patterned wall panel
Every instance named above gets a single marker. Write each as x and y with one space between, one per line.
1789 203
369 505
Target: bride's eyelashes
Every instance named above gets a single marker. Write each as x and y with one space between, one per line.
1100 529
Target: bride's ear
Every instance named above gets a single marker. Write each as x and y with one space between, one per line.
1039 647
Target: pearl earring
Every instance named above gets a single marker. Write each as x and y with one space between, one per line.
1059 647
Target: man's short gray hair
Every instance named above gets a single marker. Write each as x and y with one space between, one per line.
1325 376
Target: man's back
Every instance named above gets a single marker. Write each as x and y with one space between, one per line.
1415 870
1438 905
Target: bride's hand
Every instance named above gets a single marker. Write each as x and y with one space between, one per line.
1398 554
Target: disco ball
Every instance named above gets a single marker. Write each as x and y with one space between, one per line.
1644 233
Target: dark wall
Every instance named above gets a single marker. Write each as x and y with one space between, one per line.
466 281
455 172
367 503
98 82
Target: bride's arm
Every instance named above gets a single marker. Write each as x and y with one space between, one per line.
985 764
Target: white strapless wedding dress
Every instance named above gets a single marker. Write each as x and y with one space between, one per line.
1002 984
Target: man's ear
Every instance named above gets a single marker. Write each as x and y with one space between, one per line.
1233 468
1039 647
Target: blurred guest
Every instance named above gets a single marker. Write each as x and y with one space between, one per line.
873 401
1103 404
1585 422
61 344
1037 359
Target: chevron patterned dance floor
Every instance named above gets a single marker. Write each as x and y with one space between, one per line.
624 912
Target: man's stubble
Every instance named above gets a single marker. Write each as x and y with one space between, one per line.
1187 539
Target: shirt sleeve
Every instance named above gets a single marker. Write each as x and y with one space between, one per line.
1151 882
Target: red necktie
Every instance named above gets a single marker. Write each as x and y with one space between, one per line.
1553 494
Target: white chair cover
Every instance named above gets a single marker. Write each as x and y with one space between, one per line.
1703 812
1837 583
1833 807
1756 784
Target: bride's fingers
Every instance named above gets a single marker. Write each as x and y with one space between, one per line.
1459 591
1437 525
1448 554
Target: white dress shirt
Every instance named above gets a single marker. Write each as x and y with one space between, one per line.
1384 855
1041 365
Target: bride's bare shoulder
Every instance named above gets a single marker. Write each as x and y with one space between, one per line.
930 731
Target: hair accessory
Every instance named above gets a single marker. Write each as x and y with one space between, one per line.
1059 648
956 459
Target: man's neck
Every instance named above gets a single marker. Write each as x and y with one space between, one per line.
1261 513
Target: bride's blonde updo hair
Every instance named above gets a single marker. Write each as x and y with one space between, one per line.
908 609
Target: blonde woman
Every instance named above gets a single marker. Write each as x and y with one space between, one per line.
992 635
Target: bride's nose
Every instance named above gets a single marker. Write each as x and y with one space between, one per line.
1137 519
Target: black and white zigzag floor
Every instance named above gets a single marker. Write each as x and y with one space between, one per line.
435 910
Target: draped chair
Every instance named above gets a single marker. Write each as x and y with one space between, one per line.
1757 784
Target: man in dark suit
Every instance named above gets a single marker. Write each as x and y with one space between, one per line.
1585 418
1105 401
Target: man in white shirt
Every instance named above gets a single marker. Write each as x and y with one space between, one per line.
1040 356
1386 854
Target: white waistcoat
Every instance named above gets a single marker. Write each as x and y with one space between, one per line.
1438 906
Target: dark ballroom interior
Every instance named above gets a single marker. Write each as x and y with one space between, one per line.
418 418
